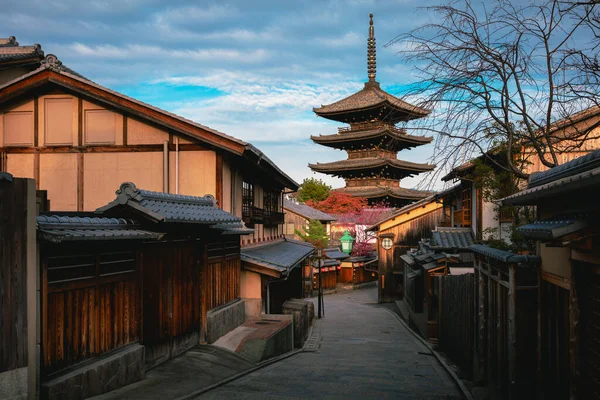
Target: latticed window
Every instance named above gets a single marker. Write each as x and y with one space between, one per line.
271 201
247 197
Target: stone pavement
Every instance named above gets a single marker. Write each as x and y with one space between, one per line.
359 351
198 368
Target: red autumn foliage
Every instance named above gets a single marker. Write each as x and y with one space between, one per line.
339 203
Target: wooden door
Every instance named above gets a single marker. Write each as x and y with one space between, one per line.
171 299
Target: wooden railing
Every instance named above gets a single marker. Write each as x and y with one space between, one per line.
253 215
273 218
370 125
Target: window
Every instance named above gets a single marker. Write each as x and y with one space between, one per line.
271 201
247 198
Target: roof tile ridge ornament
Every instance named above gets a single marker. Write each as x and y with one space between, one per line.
371 52
12 41
128 191
52 62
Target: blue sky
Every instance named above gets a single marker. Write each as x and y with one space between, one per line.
252 69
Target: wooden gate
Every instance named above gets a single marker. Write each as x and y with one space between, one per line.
171 299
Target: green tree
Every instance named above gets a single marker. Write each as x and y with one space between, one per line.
315 234
313 189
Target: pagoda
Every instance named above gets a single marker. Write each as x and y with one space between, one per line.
372 141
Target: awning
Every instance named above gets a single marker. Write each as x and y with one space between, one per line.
275 259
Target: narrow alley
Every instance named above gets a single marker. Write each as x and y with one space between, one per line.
362 352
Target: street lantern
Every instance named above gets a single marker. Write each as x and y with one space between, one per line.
347 242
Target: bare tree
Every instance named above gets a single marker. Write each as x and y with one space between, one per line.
502 76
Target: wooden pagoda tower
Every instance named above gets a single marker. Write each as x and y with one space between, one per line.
372 141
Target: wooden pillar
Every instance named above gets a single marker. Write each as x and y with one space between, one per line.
574 334
482 296
512 334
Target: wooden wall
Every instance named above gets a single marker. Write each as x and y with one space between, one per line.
221 274
13 275
91 302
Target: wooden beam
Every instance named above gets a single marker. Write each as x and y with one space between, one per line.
36 121
556 280
125 125
101 149
80 182
79 121
36 170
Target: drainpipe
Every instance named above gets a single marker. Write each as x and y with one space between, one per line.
177 165
166 166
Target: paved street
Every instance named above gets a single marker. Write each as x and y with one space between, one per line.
363 352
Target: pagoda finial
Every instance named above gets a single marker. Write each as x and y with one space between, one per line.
371 52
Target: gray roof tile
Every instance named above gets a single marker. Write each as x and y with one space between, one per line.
452 238
576 166
504 256
552 229
280 256
58 228
170 208
307 211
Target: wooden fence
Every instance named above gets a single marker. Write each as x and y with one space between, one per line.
457 318
13 275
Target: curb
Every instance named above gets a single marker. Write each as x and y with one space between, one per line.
258 366
459 383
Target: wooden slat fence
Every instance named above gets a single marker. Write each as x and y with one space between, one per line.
457 318
91 303
13 269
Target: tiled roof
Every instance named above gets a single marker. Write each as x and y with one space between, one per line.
452 238
578 165
401 140
9 41
552 229
408 258
280 256
369 97
58 228
307 211
370 162
335 253
171 208
504 256
578 181
382 191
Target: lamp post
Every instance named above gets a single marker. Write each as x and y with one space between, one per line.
347 242
320 293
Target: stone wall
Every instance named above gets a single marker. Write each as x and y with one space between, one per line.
111 372
223 320
13 384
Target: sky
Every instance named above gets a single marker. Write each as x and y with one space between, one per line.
252 69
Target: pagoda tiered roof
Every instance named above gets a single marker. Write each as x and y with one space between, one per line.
386 193
370 103
383 136
365 166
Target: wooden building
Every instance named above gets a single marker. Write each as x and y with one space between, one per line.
372 141
568 317
298 215
80 140
140 281
403 230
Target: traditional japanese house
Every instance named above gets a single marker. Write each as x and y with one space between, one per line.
329 266
402 231
358 269
140 281
79 140
372 141
274 274
16 60
297 216
566 231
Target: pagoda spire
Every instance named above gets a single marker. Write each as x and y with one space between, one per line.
371 52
